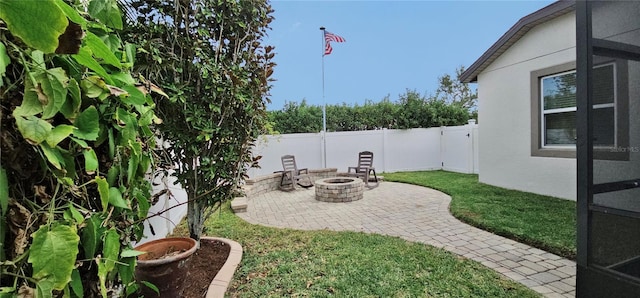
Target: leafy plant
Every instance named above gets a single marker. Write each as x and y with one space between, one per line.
209 58
298 117
76 130
411 110
453 104
454 91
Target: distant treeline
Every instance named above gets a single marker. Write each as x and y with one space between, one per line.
411 110
453 104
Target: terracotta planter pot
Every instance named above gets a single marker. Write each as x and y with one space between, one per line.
165 265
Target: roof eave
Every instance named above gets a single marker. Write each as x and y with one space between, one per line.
518 30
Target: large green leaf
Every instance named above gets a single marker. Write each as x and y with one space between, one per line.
53 155
87 124
146 115
7 292
85 57
102 276
132 168
33 129
134 160
53 254
44 289
112 175
54 86
103 191
126 266
112 41
93 86
80 142
59 133
129 133
69 164
71 106
37 57
76 283
115 198
107 12
143 204
90 161
90 236
110 250
127 253
30 104
136 97
136 148
101 50
72 214
59 74
71 13
124 78
144 164
126 117
22 19
130 51
4 192
4 61
131 289
151 286
112 143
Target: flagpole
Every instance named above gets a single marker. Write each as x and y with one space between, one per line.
324 107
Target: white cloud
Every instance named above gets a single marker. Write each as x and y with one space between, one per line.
295 26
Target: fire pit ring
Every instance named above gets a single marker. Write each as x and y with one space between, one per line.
339 189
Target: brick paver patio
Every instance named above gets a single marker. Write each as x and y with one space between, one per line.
422 215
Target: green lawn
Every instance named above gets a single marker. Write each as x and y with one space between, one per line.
541 221
285 262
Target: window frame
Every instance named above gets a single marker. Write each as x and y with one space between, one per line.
544 112
620 105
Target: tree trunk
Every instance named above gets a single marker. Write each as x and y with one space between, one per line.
194 219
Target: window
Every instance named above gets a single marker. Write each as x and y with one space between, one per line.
559 108
554 110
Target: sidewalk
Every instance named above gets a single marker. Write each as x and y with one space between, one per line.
422 215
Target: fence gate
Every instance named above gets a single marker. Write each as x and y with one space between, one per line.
457 149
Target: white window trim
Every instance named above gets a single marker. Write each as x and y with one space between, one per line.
544 112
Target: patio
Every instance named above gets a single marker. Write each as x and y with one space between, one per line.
421 215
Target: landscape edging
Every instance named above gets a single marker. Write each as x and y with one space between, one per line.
220 283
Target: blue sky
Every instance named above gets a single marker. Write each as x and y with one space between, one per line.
391 46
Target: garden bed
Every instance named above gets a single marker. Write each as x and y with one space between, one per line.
212 268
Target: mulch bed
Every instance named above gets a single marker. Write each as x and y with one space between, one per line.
205 264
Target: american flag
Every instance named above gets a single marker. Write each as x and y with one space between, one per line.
328 38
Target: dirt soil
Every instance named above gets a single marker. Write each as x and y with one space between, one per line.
205 264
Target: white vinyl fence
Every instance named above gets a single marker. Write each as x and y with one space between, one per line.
448 148
163 224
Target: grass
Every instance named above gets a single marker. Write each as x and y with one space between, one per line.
285 262
541 221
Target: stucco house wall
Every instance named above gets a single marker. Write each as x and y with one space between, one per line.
504 104
543 43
